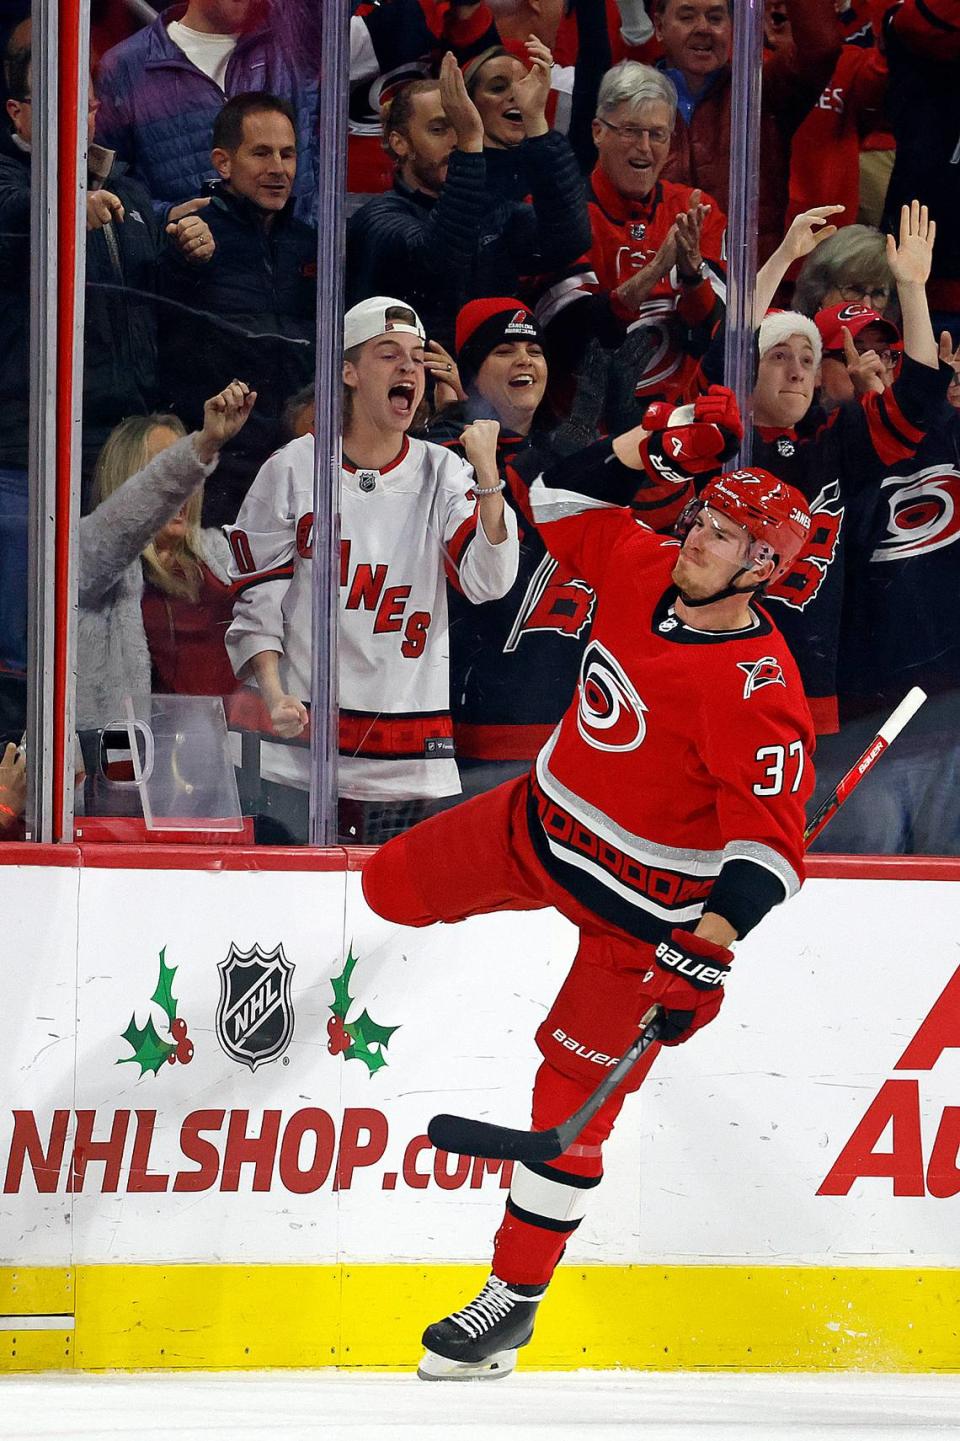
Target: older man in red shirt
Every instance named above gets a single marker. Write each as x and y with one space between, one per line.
657 253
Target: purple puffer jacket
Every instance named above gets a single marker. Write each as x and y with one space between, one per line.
157 109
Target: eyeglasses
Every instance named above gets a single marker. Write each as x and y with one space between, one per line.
627 134
886 357
92 105
852 293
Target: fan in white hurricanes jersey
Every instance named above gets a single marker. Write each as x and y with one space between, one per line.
413 515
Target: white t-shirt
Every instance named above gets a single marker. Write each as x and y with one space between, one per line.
210 53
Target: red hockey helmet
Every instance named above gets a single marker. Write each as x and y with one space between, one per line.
774 515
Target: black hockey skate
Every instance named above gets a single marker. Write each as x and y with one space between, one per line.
481 1341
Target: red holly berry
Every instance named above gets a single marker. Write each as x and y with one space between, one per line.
178 1029
185 1052
339 1039
172 1058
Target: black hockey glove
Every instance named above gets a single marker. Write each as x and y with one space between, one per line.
582 426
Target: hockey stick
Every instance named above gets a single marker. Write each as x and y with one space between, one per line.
465 1137
887 733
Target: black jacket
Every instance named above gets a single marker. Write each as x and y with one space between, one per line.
502 217
246 314
120 331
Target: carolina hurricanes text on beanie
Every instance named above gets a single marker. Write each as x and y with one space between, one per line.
484 324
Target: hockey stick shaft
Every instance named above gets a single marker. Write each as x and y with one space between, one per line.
483 1138
887 733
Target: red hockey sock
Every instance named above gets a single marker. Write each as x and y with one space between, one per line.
525 1253
548 1202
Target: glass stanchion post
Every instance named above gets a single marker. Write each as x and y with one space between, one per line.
332 123
743 209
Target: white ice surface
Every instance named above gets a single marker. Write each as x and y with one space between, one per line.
594 1406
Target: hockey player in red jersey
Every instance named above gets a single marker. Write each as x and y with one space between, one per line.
412 514
667 806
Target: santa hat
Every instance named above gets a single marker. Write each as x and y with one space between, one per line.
484 324
778 326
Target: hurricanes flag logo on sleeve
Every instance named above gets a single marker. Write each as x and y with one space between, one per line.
759 673
610 714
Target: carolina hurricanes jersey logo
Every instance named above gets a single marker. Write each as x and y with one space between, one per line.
850 312
923 513
759 673
610 714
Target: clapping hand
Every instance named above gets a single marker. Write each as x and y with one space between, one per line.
688 225
457 105
532 90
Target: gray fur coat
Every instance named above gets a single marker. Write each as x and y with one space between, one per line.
113 659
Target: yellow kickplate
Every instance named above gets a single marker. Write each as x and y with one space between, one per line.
371 1316
36 1291
36 1351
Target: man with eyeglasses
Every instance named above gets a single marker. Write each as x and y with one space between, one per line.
696 36
861 353
657 254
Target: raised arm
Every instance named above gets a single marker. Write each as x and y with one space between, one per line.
806 232
114 534
910 261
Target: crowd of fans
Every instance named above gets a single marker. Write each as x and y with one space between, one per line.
535 255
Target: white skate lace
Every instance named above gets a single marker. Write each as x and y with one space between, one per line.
494 1302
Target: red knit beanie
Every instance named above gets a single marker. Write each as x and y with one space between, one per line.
484 324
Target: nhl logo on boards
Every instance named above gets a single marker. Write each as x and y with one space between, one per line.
255 1011
367 480
759 673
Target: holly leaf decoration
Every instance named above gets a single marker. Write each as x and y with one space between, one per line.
163 995
341 986
365 1029
149 1049
373 1060
368 1038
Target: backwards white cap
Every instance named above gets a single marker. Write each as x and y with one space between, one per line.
779 325
369 319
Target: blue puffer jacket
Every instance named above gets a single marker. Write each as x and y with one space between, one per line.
157 109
